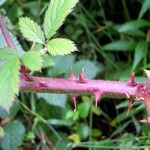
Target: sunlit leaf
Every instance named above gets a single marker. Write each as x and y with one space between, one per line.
31 30
7 54
60 46
56 14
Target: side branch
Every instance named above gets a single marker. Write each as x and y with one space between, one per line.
5 33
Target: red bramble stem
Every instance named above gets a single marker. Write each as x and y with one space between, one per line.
75 86
81 85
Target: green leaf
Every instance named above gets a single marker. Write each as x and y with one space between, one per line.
60 46
62 65
14 133
12 112
134 25
120 46
54 99
140 52
83 130
9 85
47 61
120 129
31 30
7 54
87 65
56 14
145 7
96 133
2 132
83 109
32 60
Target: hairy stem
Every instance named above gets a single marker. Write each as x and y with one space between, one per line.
76 86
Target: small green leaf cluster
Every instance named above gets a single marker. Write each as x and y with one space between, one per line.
34 59
54 18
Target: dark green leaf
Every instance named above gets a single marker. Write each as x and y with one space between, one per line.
140 51
14 133
62 65
134 25
11 114
83 130
87 65
54 99
47 61
120 46
145 7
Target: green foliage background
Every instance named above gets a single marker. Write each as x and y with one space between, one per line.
113 40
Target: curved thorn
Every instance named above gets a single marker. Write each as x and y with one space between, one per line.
26 77
147 121
82 78
43 84
74 99
130 104
147 72
131 81
97 95
72 76
128 95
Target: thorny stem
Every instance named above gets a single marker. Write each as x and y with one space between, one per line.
76 86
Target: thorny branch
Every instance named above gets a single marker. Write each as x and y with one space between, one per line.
75 86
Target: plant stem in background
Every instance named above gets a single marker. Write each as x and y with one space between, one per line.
5 33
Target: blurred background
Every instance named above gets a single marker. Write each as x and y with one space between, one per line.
113 40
